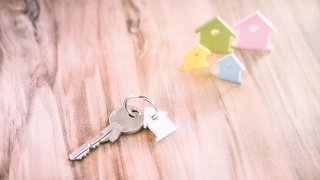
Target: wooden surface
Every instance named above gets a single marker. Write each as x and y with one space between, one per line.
66 65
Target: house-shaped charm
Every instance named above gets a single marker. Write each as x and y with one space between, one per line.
216 35
196 57
254 32
160 127
230 68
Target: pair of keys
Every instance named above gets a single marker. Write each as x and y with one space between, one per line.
128 120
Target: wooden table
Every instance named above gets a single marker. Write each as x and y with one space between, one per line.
66 65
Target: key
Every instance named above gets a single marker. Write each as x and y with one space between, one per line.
120 122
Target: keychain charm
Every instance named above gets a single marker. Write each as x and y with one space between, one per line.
160 127
156 120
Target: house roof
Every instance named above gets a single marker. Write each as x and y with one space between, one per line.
219 19
262 17
197 45
232 57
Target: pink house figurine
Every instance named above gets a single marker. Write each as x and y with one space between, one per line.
254 32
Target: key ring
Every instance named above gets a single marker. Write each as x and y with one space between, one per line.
125 103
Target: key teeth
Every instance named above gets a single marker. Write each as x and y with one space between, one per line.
95 146
83 156
113 139
110 133
104 140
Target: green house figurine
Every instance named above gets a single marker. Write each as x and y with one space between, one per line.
216 35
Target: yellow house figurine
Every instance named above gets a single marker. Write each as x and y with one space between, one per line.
196 57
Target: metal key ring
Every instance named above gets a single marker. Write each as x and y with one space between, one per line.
125 103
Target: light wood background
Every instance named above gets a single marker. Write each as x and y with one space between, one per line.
66 65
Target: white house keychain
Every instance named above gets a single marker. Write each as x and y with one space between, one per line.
156 120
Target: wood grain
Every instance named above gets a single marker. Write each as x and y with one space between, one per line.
65 65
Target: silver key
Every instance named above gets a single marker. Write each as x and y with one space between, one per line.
120 122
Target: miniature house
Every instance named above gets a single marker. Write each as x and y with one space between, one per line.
160 127
254 32
196 57
230 68
216 35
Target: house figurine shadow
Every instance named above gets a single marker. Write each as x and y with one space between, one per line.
196 57
254 32
160 127
216 35
230 68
